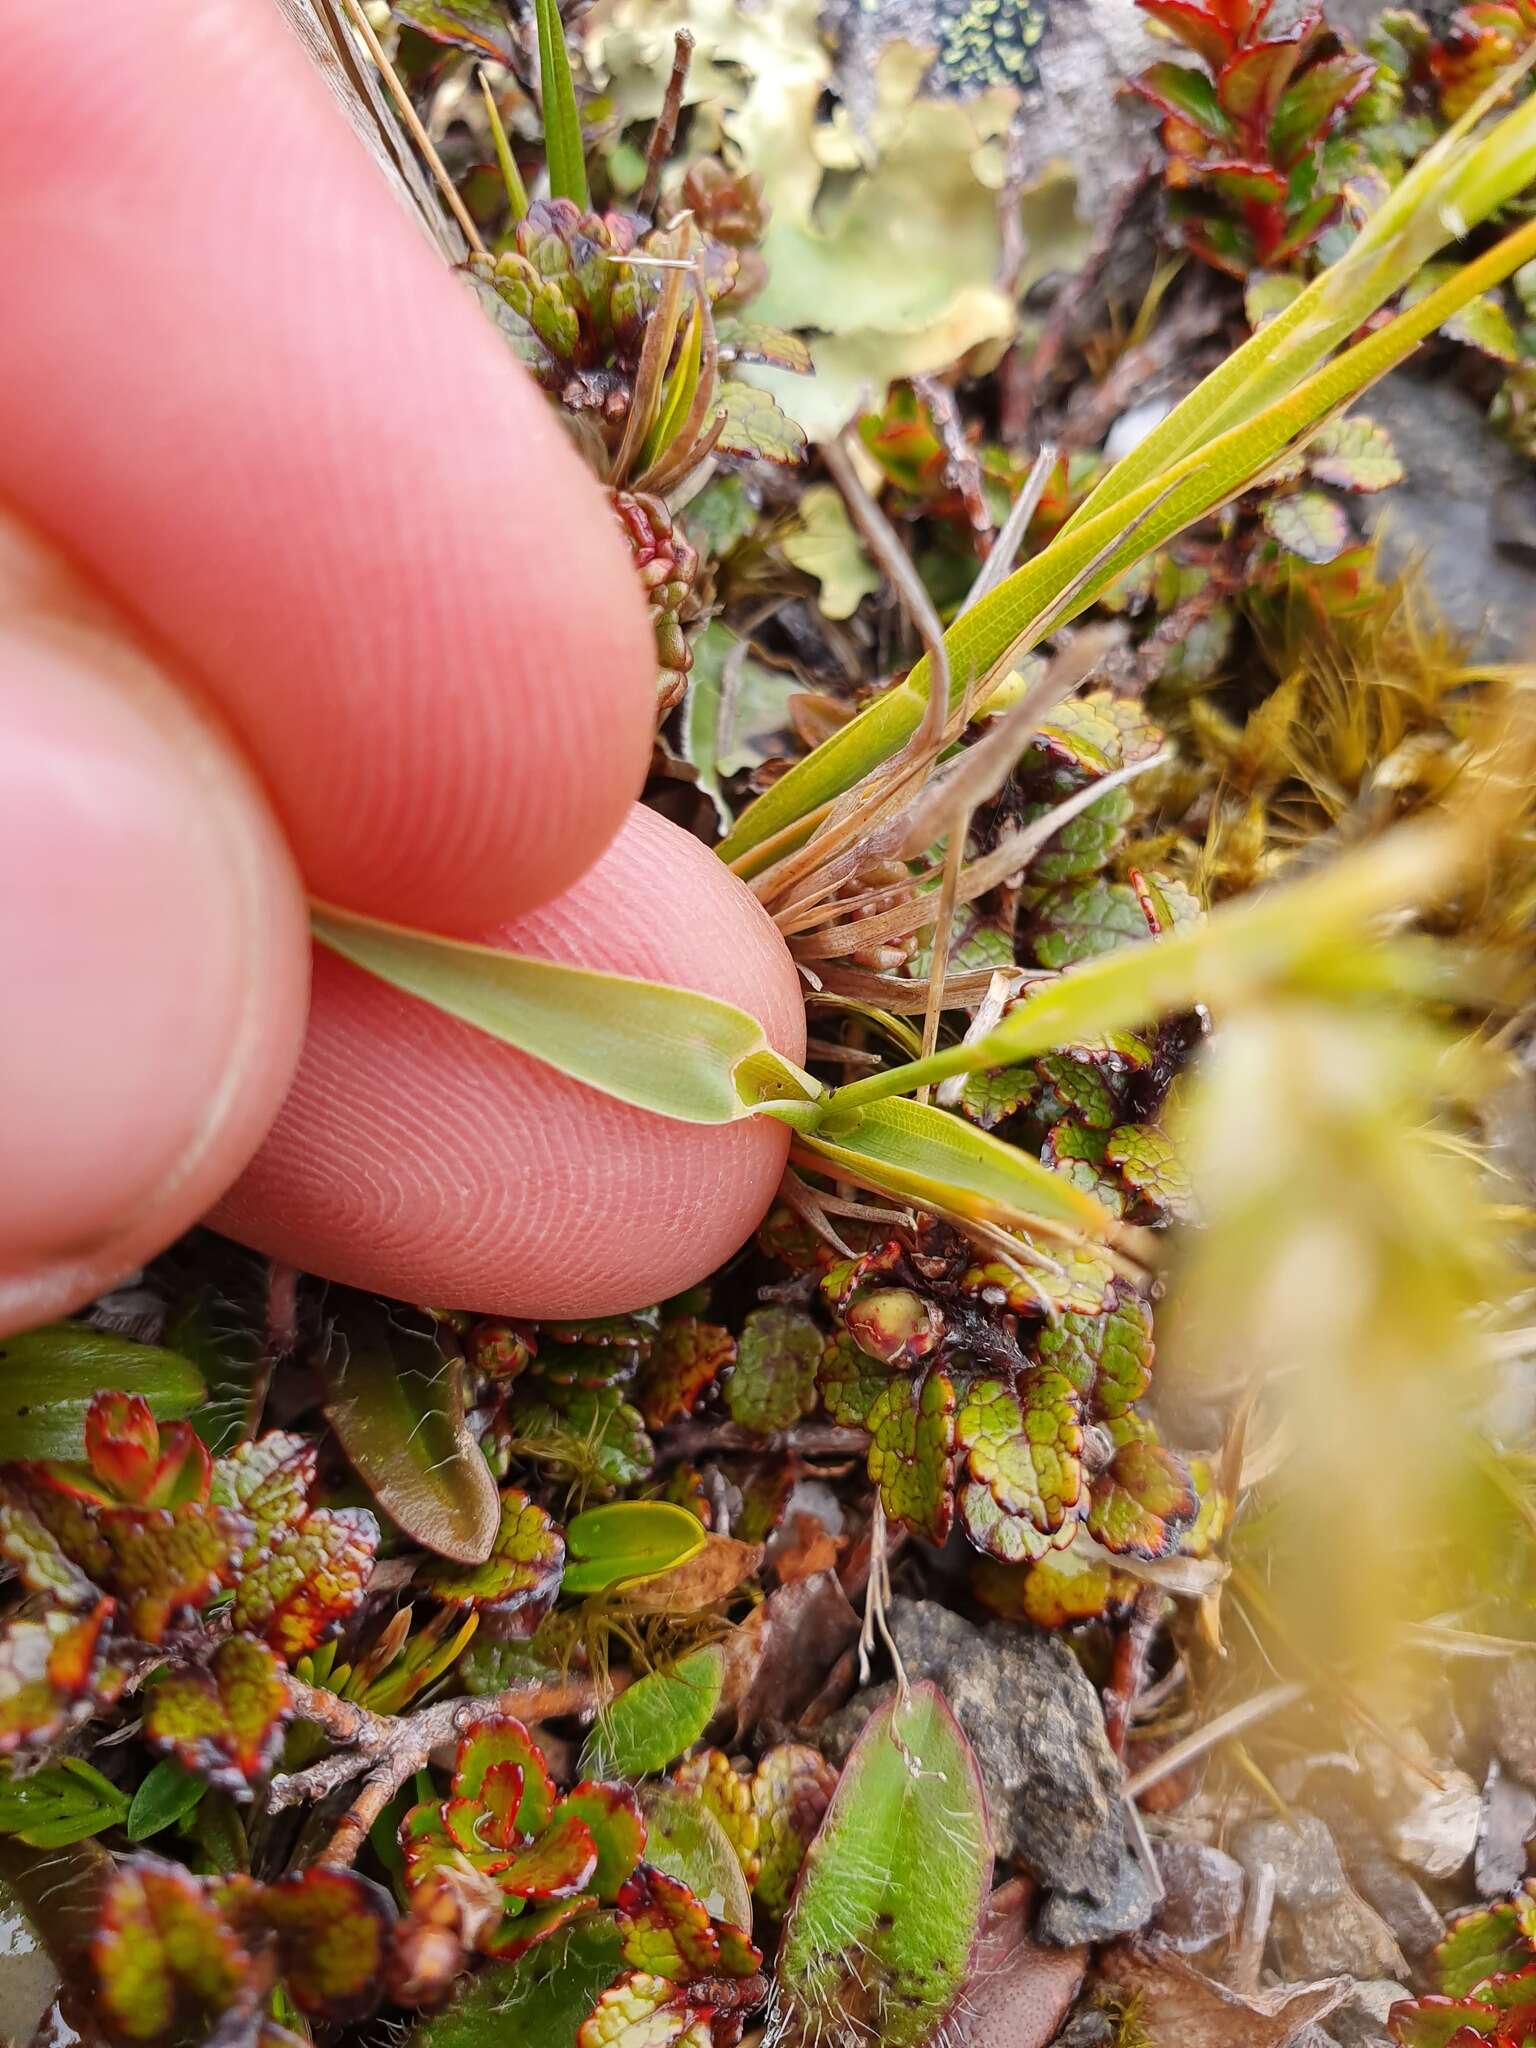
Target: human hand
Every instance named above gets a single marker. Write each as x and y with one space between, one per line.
341 613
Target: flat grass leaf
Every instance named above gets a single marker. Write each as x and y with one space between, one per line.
632 1539
1024 1444
612 1817
333 1930
1080 920
685 1839
50 1376
756 427
1108 1358
479 26
166 1795
726 1793
59 1805
1141 1501
878 1940
825 545
310 1582
164 1955
397 1406
688 1358
1354 454
654 1720
52 1672
1308 524
849 1381
226 1722
792 1788
1151 1164
563 148
669 1050
541 1999
911 1452
773 1382
522 1574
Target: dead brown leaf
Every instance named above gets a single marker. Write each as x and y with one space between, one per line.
1020 1992
1182 2009
710 1576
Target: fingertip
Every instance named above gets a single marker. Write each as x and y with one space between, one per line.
152 936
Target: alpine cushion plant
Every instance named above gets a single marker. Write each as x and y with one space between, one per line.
1245 134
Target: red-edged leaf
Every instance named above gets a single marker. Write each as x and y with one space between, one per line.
1250 85
1142 1500
40 1564
269 1481
1309 524
501 1741
479 26
167 1563
1194 23
1108 1358
333 1929
226 1722
1188 95
310 1581
522 1574
122 1445
501 1350
557 1866
514 1937
1244 184
667 1932
166 1959
640 2011
1025 1444
617 1827
911 1452
1309 106
53 1672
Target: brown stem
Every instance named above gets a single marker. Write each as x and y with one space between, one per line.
963 471
664 128
386 1749
826 1439
1128 1674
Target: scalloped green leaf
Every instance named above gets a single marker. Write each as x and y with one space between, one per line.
1308 524
653 1721
1108 1358
310 1582
1354 454
1024 1444
522 1574
1142 1501
224 1722
878 1940
1150 1163
688 1358
164 1955
849 1380
333 1930
773 1382
911 1452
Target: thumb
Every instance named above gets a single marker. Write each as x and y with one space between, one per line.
152 942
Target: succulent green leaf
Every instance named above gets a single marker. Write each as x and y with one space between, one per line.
490 1747
226 1722
63 1803
522 1574
611 1816
654 1720
1494 1941
878 1941
630 1540
396 1403
686 1839
911 1452
773 1382
50 1376
166 1795
669 1050
710 1777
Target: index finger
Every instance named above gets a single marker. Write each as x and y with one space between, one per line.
239 388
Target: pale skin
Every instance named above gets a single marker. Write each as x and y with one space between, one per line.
303 592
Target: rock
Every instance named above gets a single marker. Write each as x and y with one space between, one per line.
1387 1885
1322 1926
1508 1823
1361 2022
1202 1896
1459 515
1052 1781
1304 1858
1344 1938
1428 1816
1512 1715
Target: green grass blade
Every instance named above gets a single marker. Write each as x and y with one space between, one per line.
564 152
924 1155
511 177
1253 943
1167 502
669 1050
